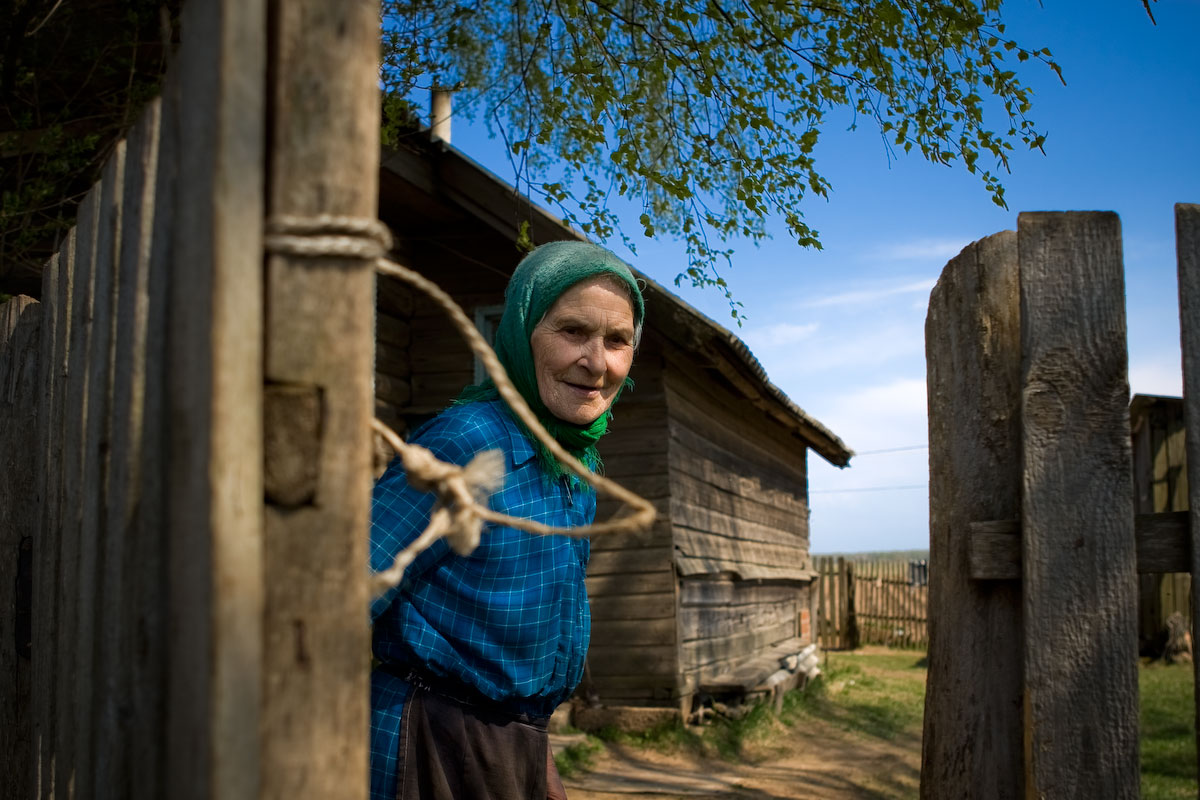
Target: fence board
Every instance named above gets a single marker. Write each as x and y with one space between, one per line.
58 282
73 454
214 397
95 465
1187 248
972 741
319 342
1077 509
114 712
20 340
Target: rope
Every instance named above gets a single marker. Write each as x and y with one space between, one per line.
462 492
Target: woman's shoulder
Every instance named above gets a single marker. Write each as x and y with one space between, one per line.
461 431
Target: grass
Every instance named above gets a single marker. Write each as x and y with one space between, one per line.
880 693
875 693
1168 740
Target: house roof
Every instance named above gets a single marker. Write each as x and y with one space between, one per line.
451 186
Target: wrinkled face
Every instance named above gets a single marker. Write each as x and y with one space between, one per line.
583 349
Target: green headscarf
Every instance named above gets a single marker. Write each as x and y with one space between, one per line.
540 278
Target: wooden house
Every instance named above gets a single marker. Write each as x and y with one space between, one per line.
1160 484
717 594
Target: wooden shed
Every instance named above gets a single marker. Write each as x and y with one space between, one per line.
717 595
1161 484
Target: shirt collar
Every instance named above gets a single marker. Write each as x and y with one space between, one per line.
520 446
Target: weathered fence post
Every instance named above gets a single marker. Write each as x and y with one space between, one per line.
1079 577
21 321
319 403
1187 249
214 401
972 738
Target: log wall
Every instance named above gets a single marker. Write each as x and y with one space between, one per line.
631 583
739 516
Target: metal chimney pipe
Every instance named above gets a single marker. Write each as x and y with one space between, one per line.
439 115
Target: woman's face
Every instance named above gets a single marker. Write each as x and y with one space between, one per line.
583 349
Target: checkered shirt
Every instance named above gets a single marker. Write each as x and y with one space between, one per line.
510 620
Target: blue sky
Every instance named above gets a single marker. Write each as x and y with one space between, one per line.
841 330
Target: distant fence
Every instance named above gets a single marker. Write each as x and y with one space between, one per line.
870 602
1035 544
183 483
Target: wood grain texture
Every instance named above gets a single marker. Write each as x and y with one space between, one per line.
21 321
1078 560
114 660
45 543
324 154
214 405
146 561
66 730
1187 251
95 467
972 740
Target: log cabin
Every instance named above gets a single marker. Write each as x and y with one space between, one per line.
716 597
1160 482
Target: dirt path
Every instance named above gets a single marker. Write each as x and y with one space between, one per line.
822 762
814 758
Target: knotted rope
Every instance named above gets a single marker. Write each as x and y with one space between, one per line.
462 492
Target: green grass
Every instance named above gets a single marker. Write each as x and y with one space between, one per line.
1168 740
577 757
881 694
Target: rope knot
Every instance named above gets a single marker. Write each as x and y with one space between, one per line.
327 235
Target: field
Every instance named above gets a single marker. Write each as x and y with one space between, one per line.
856 733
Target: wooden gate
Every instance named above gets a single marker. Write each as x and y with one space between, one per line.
1035 544
185 434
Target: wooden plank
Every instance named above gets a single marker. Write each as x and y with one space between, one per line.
214 482
701 652
392 360
324 160
394 296
21 321
973 741
397 392
691 490
708 623
117 625
66 728
57 291
147 598
655 605
641 583
693 456
97 433
1162 545
1078 558
728 593
691 514
392 330
1187 252
622 633
45 541
631 561
658 660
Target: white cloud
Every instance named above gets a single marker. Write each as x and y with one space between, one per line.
1156 377
919 250
781 334
871 295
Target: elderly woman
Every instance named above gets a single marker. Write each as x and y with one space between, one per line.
477 651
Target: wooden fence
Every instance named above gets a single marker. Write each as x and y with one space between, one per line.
169 632
869 602
1035 545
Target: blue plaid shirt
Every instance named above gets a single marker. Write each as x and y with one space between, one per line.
510 620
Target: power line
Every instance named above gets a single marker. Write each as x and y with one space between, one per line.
870 489
894 449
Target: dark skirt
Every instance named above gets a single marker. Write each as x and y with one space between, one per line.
456 750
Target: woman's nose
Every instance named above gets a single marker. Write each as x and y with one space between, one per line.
592 355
